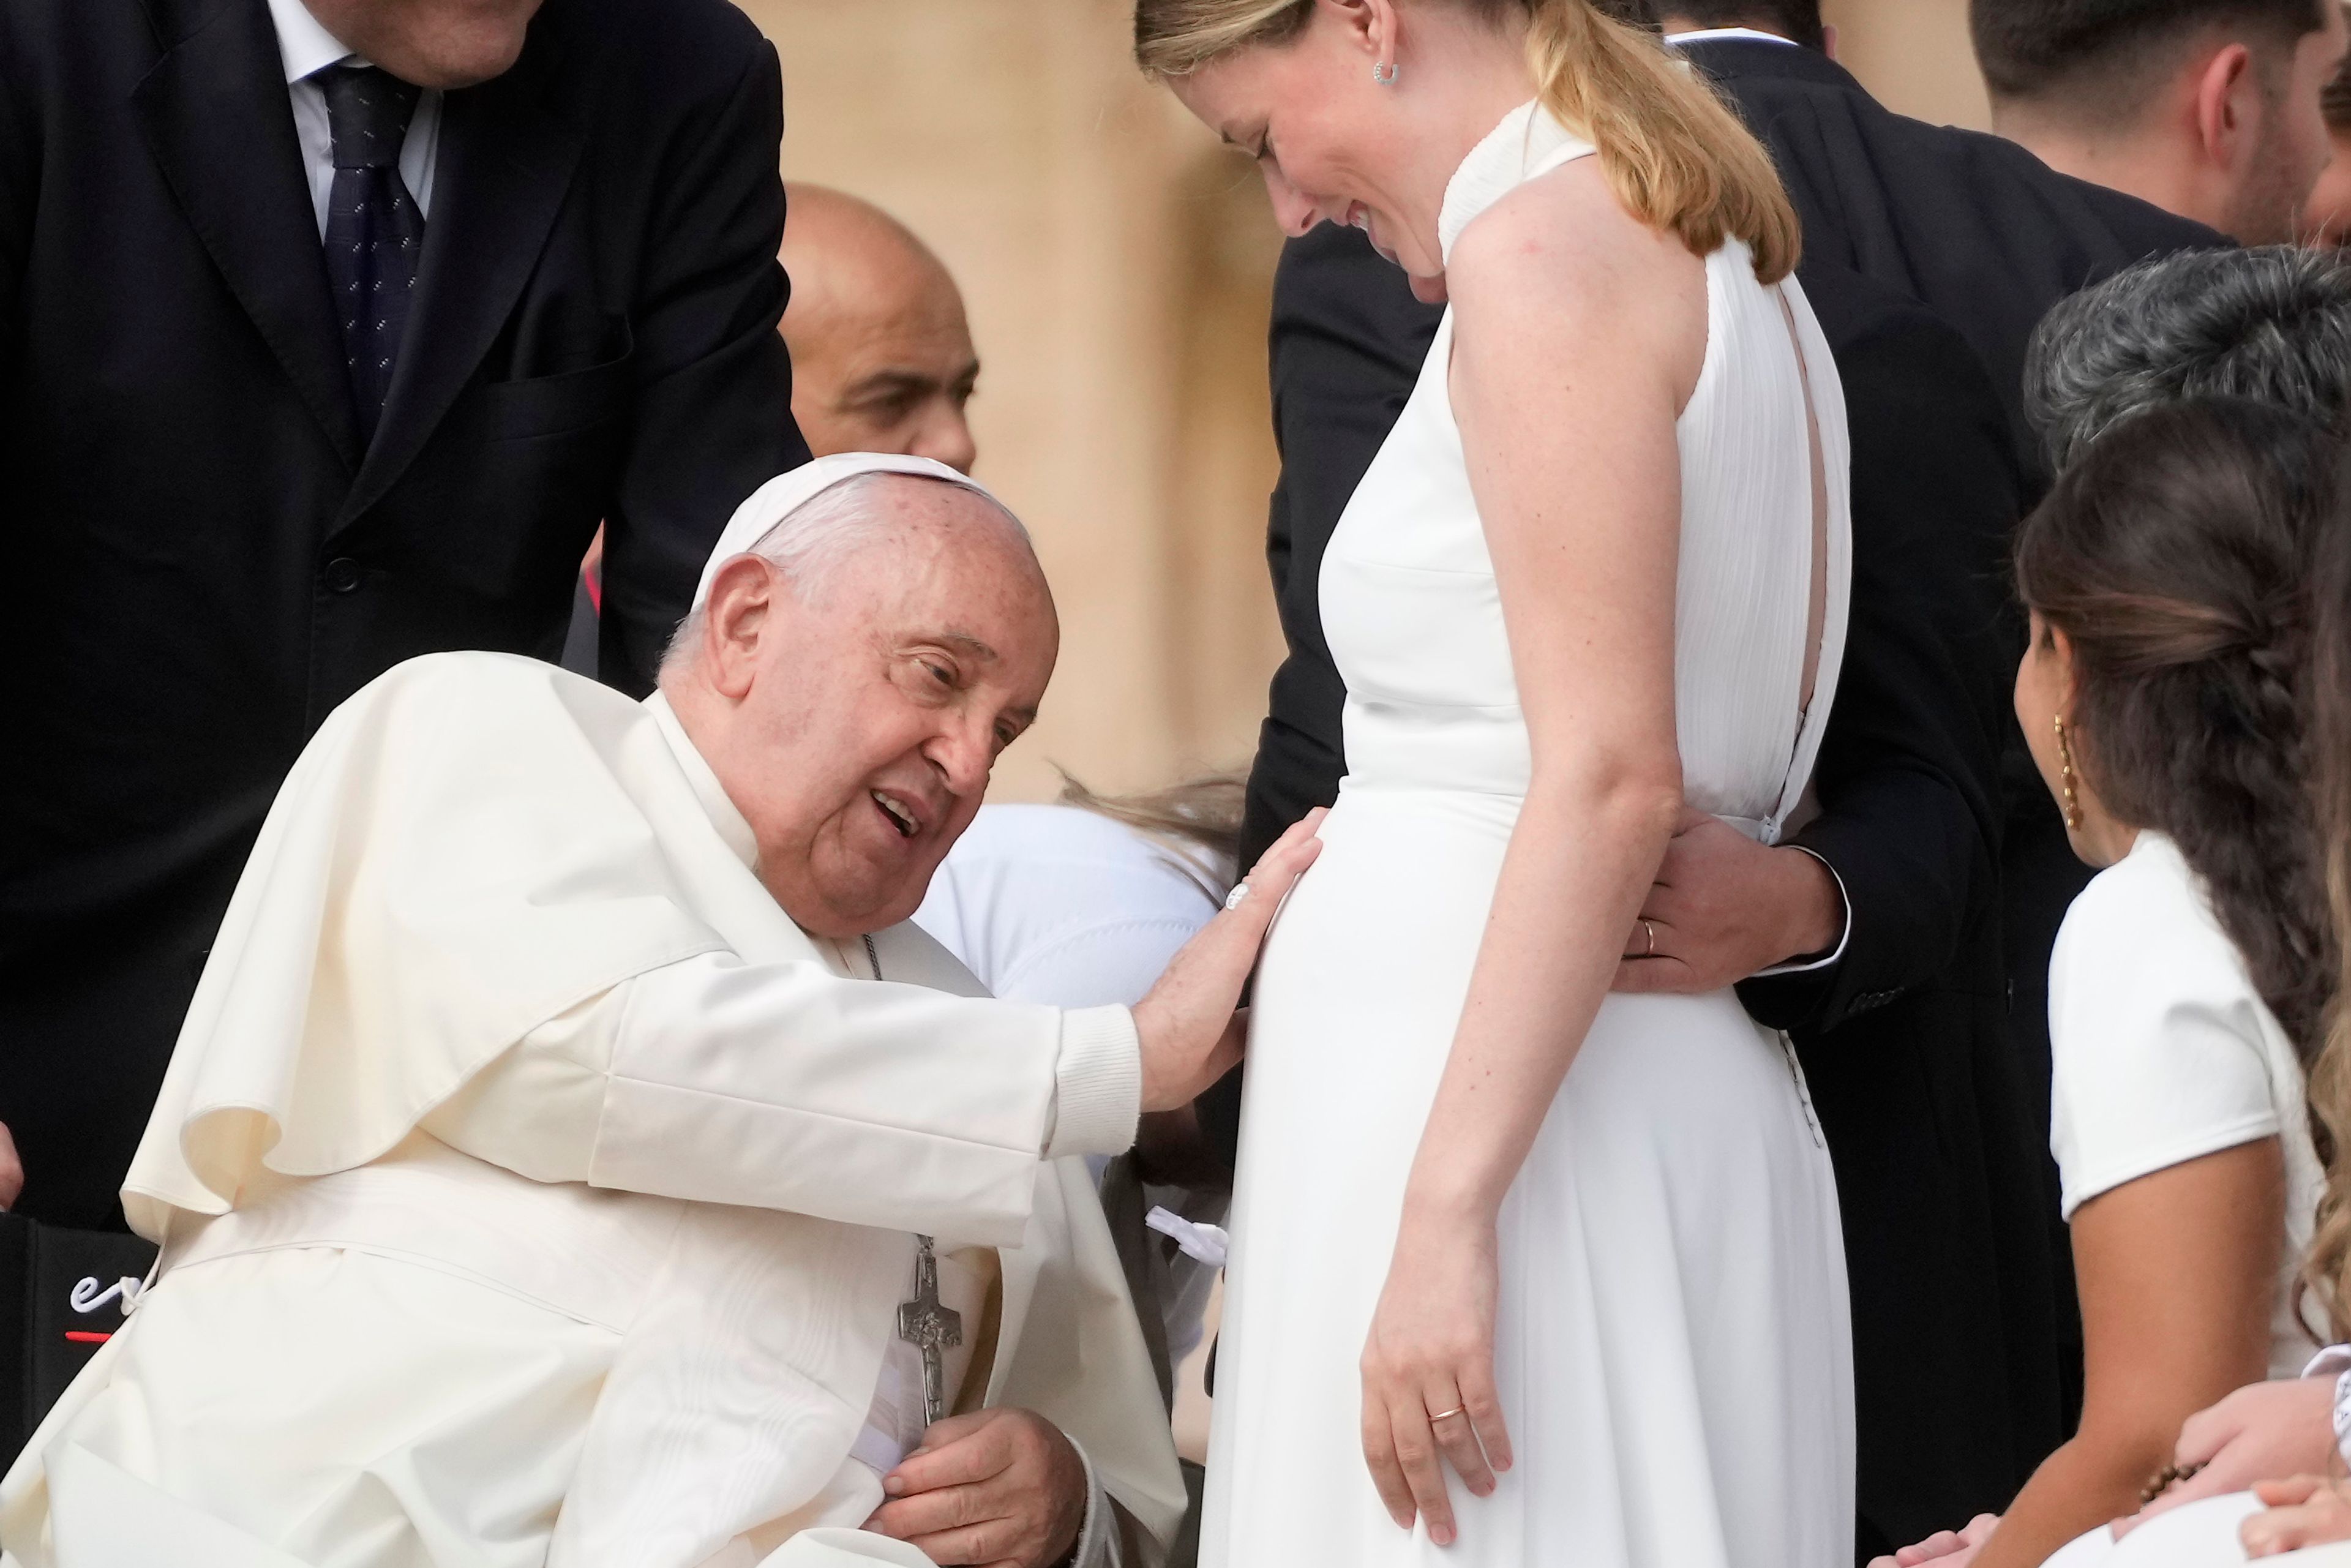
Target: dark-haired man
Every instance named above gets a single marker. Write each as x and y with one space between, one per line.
2207 108
1969 226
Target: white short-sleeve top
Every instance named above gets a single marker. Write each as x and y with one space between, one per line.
2162 1051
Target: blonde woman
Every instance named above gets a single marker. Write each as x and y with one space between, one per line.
1528 1273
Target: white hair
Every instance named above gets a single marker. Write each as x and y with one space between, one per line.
809 543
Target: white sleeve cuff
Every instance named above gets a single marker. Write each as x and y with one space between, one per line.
2334 1360
1843 935
1098 1083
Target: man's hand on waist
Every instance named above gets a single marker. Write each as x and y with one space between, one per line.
1724 907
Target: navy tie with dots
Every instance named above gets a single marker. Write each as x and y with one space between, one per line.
374 233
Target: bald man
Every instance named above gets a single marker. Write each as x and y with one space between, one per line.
882 356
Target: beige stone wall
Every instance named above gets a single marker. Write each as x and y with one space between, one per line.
1915 55
1117 268
1117 265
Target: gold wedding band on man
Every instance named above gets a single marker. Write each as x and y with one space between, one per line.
1650 936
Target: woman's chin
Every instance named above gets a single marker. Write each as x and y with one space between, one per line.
1427 290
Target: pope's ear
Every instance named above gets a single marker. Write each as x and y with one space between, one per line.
737 616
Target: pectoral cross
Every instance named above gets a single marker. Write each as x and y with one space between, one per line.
930 1328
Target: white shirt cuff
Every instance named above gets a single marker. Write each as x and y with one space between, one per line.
1098 1083
1097 1545
1806 966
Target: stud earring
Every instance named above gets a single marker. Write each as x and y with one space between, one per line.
2072 801
1385 75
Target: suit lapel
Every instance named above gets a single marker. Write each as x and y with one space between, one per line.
505 163
216 120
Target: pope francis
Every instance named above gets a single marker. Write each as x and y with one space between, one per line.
573 1156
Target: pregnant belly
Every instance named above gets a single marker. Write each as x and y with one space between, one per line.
1367 966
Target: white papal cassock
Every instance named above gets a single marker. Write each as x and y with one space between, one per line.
531 1189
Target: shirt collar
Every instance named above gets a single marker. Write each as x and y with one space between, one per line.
731 824
1719 34
303 43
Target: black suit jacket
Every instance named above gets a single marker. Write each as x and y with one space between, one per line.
1988 237
1972 226
206 559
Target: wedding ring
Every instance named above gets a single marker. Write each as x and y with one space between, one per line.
1233 899
1650 933
1446 1415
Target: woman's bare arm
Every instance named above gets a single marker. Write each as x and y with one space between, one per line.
2178 1273
1578 336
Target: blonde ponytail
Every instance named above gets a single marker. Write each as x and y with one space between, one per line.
1676 156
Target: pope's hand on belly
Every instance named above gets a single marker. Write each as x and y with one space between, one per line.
1724 907
997 1486
1190 1032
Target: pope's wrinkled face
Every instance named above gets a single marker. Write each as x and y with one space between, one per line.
858 716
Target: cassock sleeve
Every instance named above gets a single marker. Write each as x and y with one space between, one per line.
785 1086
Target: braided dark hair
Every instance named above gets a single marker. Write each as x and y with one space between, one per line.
2327 1269
2173 558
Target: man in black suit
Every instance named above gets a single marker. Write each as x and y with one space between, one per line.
329 330
1972 226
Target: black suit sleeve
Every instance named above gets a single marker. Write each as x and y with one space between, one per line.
19 182
713 418
1907 779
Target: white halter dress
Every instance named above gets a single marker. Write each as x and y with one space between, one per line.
1674 1346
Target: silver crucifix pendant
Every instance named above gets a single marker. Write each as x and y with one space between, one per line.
930 1328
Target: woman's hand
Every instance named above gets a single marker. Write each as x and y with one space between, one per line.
1190 1034
1428 1371
1945 1548
2303 1512
2261 1432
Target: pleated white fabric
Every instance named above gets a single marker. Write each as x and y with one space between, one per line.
1674 1349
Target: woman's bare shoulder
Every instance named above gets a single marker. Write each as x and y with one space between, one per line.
1562 248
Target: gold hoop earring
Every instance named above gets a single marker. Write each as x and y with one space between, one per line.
2073 800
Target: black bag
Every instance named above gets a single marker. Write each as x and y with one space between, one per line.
62 1293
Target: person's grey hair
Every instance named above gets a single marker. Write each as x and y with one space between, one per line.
810 543
2272 324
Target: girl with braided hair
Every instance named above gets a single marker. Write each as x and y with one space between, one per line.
2164 695
2312 1429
